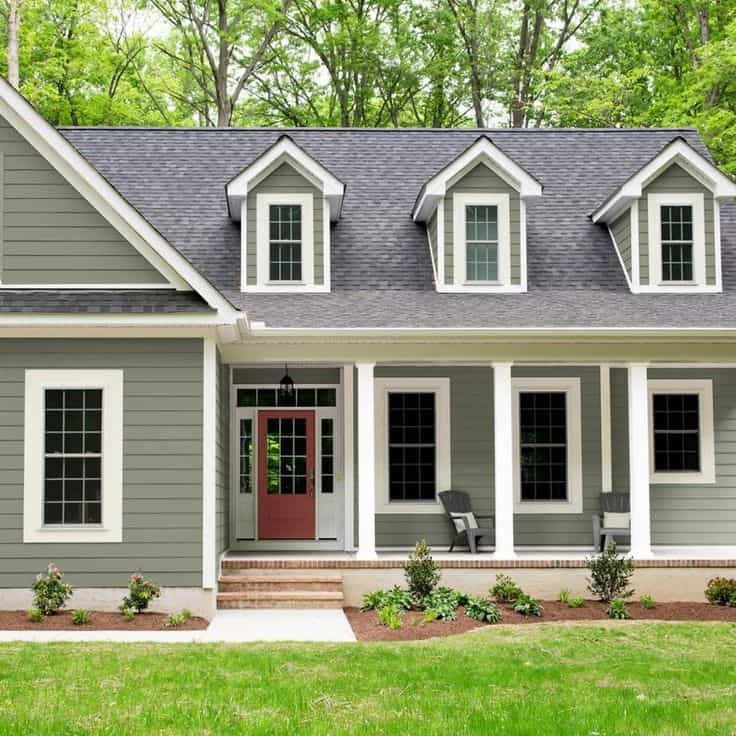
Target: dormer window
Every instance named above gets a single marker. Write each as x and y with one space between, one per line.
482 247
676 238
481 242
285 242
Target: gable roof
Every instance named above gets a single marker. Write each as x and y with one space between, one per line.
381 268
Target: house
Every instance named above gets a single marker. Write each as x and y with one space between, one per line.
277 347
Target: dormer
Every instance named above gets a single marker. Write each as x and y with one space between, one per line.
285 202
665 223
475 213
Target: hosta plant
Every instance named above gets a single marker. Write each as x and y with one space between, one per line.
528 606
80 617
378 599
576 603
391 616
443 602
617 609
482 609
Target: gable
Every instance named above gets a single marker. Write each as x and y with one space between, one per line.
51 235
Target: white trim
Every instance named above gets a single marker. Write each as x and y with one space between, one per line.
638 414
494 158
676 152
326 247
111 383
431 255
461 200
571 387
348 424
86 287
210 381
366 462
244 245
104 198
440 387
285 150
655 202
522 244
704 389
717 242
620 257
2 215
503 454
606 447
635 263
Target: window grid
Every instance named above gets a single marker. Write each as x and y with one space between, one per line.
327 456
677 242
543 445
676 426
481 242
246 456
286 456
72 457
285 242
412 446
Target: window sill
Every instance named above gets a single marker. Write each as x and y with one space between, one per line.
411 507
679 479
73 535
554 507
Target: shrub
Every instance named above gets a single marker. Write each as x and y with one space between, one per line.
505 590
187 614
421 571
564 596
379 599
720 590
50 592
647 602
732 601
128 614
174 620
576 603
610 574
443 602
141 591
482 609
617 609
80 617
391 616
34 614
528 606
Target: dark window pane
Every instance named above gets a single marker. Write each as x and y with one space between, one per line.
247 397
266 397
92 513
326 397
676 426
53 490
72 490
52 513
305 397
72 513
54 442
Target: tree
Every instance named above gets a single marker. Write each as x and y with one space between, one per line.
12 10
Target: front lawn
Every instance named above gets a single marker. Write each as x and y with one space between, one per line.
590 680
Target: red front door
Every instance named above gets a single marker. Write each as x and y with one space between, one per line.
286 474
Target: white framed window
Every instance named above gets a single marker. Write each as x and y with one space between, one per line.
413 452
73 456
676 231
285 241
681 434
481 240
547 436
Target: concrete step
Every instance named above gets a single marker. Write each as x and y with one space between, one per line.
232 583
280 599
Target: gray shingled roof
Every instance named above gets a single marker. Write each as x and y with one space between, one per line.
381 271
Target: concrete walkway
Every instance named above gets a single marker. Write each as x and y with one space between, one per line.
251 625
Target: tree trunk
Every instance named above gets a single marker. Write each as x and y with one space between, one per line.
13 42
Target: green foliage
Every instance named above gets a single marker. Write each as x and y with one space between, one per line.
576 602
528 606
50 592
128 614
175 620
421 571
81 617
35 615
482 609
505 590
141 591
721 590
564 596
378 599
617 609
647 602
610 574
443 602
187 614
391 616
732 600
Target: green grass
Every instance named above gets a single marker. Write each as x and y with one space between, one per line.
559 680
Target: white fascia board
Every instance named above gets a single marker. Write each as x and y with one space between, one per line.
677 152
483 150
184 319
104 198
332 188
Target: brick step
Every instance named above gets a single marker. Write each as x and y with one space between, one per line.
280 599
233 583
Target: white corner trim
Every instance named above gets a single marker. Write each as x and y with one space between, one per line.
441 243
365 425
606 447
431 255
111 383
244 245
704 389
503 460
635 248
522 243
348 423
326 246
571 387
620 257
210 388
440 387
639 491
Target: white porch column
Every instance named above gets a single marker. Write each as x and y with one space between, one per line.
503 460
366 426
641 535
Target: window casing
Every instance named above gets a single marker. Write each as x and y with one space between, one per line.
681 432
73 456
547 435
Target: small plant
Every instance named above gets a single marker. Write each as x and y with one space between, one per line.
391 616
528 606
443 602
732 601
429 616
35 615
50 592
80 617
378 599
482 609
129 614
610 575
576 603
174 621
721 590
141 591
647 602
187 614
505 590
564 596
421 571
617 609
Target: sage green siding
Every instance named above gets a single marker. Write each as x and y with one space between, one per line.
162 462
676 180
222 467
621 230
285 179
51 234
480 179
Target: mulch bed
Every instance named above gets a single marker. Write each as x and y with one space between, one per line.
366 626
99 621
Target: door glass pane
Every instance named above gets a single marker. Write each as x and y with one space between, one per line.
286 456
246 455
327 456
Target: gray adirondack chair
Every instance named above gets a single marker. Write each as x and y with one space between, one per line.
610 503
463 522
